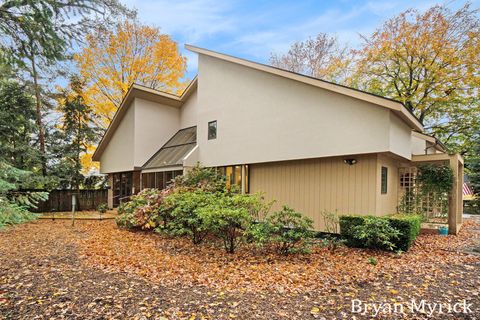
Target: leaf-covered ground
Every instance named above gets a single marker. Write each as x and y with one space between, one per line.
95 271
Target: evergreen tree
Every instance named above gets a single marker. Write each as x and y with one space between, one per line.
77 130
17 126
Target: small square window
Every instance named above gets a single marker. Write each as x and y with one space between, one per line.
212 130
384 180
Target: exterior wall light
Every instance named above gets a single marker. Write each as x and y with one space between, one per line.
350 162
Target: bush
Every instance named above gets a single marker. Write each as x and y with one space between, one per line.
409 227
184 213
198 177
142 211
102 207
472 206
287 229
229 215
396 232
376 233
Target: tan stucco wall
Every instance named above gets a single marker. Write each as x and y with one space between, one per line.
154 124
189 112
144 129
262 117
418 145
119 155
400 137
312 186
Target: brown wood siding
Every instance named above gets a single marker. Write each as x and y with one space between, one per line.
314 185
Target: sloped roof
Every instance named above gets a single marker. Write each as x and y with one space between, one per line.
397 107
174 151
142 92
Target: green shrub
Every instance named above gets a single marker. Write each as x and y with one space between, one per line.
102 207
198 177
142 211
229 215
184 216
472 206
409 227
376 233
287 229
396 232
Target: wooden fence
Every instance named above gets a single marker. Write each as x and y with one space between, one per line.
61 200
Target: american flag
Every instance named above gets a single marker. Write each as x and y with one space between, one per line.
466 190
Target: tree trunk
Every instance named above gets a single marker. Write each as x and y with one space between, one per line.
38 114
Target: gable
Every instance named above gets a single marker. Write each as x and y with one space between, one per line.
144 93
262 117
118 154
399 109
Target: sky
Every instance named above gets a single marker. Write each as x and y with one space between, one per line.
254 29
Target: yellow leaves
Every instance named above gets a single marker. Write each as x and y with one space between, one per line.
86 160
424 60
132 53
393 291
315 310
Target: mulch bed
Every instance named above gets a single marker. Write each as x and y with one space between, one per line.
49 270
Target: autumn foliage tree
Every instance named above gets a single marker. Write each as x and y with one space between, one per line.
319 57
130 53
430 62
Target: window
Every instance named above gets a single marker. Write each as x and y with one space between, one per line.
212 130
122 187
159 180
233 175
384 180
148 180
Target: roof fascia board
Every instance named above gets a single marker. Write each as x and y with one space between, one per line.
424 136
395 106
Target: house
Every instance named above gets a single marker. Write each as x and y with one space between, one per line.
305 142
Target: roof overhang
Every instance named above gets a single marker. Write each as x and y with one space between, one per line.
437 157
141 92
398 108
437 144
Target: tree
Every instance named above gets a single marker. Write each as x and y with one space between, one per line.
17 126
40 32
473 167
430 62
131 53
321 57
77 130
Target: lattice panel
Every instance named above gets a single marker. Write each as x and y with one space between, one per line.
433 206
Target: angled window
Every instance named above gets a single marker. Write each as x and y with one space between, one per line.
384 180
212 130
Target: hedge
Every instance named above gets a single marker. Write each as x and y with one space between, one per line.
407 225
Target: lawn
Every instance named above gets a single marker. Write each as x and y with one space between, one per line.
95 270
